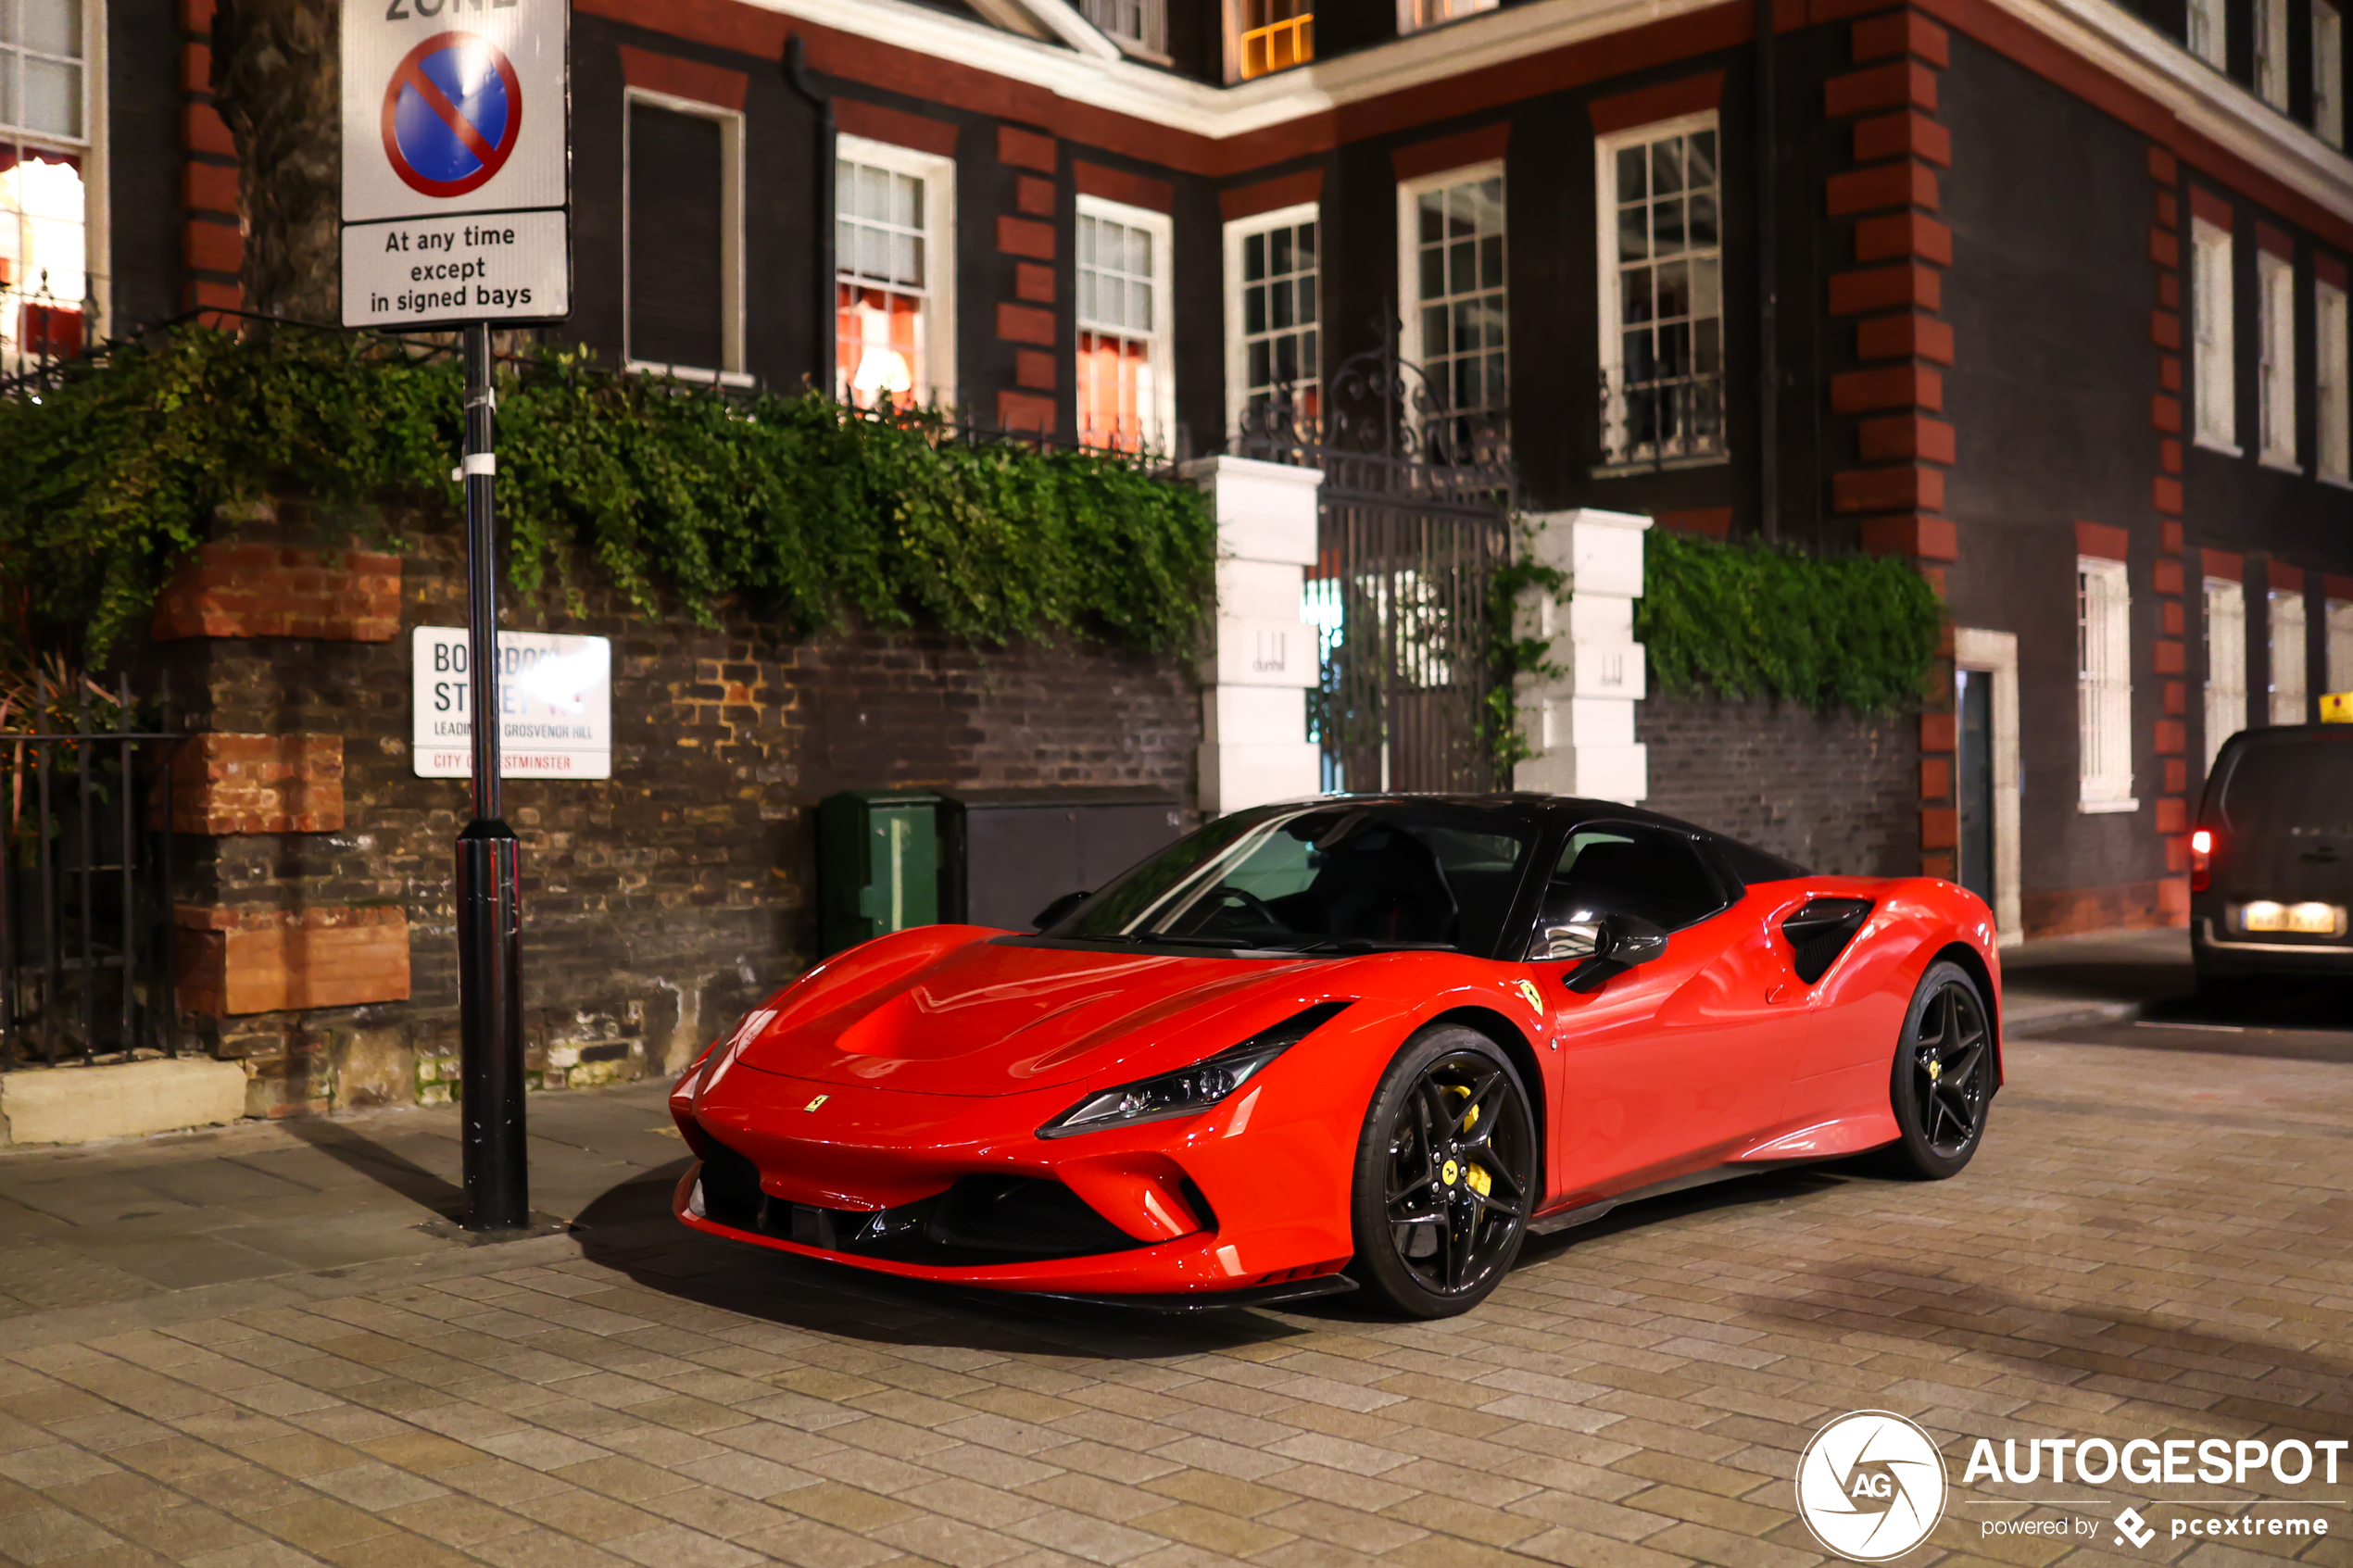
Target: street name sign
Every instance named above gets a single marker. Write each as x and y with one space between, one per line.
555 697
457 162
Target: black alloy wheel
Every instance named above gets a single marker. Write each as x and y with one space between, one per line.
1445 1175
1944 1079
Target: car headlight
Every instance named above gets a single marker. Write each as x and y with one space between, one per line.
1188 1091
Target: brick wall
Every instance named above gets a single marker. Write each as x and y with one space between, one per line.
657 904
1834 793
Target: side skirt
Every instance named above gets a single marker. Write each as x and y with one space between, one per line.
1586 1213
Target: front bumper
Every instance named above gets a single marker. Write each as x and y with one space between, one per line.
960 1190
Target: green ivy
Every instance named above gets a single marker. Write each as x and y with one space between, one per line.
787 504
1509 654
1752 620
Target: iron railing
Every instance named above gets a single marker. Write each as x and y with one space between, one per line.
1662 423
85 881
1412 528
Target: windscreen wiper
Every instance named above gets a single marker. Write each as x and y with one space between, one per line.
1353 945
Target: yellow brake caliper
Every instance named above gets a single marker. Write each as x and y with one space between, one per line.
1474 1176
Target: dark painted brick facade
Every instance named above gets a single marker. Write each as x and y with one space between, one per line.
1836 793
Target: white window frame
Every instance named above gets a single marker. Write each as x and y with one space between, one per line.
2331 411
1409 291
2340 644
2271 52
1417 16
2225 618
1237 339
96 298
1148 40
2214 400
938 175
731 237
2286 628
2275 358
1161 338
2206 37
2103 684
2328 73
1611 302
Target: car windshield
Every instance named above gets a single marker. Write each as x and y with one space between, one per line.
2285 781
1336 876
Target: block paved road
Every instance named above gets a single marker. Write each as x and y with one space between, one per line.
236 1350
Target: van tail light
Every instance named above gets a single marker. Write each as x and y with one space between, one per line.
2201 854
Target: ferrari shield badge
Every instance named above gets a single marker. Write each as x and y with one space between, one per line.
1535 997
815 1103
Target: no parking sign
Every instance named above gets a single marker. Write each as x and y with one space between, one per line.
457 161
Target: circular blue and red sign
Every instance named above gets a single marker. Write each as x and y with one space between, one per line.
452 114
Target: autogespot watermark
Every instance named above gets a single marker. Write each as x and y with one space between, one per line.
1873 1484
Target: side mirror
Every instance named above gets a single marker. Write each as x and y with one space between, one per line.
1053 913
1600 947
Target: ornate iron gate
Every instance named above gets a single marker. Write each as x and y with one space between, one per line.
1415 502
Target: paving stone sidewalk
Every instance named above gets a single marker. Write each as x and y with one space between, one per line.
2151 1244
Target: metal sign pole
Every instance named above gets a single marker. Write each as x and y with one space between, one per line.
490 891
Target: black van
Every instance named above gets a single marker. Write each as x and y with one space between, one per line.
2271 856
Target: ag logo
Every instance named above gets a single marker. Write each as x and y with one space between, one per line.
1871 1486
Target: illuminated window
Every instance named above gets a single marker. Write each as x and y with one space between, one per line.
1276 35
2104 666
2225 663
2340 636
2210 324
2275 357
46 285
1415 15
2206 38
1662 292
1455 324
2288 656
2328 73
893 275
1273 312
2271 52
2329 406
1125 397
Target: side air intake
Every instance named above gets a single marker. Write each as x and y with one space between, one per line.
1820 930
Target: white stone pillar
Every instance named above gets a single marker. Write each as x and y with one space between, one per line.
1261 659
1581 721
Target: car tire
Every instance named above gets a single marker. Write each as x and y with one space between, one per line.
1942 1080
1459 1239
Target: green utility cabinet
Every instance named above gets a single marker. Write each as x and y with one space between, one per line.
878 864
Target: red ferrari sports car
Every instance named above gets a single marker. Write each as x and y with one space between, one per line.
1349 1042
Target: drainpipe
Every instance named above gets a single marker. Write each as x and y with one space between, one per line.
797 74
1768 378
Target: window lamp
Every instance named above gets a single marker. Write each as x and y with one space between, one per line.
46 126
894 275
